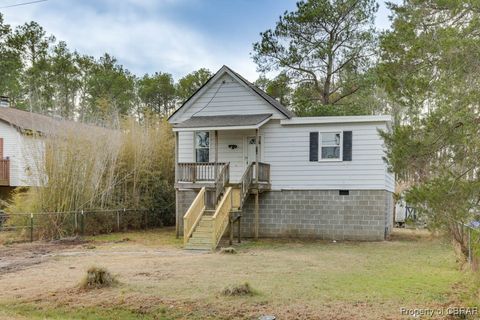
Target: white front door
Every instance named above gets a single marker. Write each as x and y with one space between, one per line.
251 156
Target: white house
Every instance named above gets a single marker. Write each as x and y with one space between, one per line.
20 148
240 153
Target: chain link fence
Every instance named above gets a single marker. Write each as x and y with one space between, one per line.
72 223
470 235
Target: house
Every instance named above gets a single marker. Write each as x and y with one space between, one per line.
240 153
21 147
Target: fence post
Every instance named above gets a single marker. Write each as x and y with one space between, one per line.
118 221
470 246
31 227
76 222
146 219
82 224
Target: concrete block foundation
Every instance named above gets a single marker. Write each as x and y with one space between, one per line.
322 214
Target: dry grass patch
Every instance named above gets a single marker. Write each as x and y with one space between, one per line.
97 278
228 250
238 290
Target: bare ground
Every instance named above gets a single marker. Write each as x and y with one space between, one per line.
293 279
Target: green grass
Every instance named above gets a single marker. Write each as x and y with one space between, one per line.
31 311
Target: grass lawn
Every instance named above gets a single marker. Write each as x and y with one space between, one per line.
291 279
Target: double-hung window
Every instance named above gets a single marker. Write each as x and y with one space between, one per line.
202 146
330 145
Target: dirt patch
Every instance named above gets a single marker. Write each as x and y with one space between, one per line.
19 256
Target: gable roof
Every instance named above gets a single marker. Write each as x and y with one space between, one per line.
25 121
274 102
250 121
224 69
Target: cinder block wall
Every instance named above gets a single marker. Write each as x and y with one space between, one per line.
323 214
184 200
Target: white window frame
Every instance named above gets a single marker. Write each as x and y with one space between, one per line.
320 146
195 146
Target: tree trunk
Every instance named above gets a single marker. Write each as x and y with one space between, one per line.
328 77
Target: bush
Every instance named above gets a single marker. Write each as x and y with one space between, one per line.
239 290
97 278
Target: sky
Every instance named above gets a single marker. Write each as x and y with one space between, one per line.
174 36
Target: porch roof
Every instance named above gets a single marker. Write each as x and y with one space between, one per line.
223 122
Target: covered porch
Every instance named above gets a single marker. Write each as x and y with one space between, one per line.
209 148
219 156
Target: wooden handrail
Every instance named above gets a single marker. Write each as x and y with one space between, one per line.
221 217
245 183
213 194
193 215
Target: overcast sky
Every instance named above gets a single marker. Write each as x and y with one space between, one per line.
175 36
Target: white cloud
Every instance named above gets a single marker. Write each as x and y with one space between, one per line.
142 41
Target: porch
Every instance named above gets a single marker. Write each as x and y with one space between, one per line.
221 185
5 172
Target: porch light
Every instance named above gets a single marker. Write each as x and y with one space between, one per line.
233 146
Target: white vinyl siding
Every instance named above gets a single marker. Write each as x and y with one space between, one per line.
286 149
23 152
227 97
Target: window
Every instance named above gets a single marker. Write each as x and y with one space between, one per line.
202 146
330 145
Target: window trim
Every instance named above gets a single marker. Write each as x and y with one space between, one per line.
195 146
320 146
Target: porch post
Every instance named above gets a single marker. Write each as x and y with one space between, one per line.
177 219
216 154
257 159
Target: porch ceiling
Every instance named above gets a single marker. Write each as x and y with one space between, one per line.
224 122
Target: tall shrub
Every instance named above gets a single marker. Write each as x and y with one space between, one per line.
83 167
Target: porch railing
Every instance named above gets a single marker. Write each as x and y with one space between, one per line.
4 172
221 217
198 171
193 215
245 183
249 177
263 172
212 195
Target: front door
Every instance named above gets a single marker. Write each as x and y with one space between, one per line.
251 156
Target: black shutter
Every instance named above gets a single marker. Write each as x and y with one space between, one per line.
313 146
347 145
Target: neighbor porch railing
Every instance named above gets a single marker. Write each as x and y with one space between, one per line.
198 171
4 172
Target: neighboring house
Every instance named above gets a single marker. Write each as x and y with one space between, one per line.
239 152
21 150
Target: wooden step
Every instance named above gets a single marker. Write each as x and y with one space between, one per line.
203 229
202 235
190 246
208 213
200 240
205 222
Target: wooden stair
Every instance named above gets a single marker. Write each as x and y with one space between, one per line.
202 235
